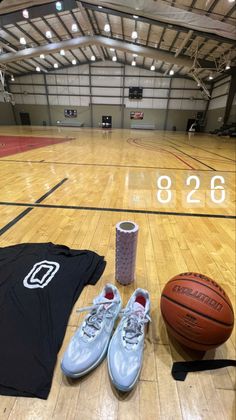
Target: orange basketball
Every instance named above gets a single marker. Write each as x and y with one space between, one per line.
197 311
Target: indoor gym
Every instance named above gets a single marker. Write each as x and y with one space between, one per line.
114 111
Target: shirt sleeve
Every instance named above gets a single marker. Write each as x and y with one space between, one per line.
10 252
94 269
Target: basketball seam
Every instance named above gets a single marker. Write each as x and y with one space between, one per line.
198 282
199 313
189 339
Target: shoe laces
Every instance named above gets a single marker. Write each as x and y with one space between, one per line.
99 311
135 320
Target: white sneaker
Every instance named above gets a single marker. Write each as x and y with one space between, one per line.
88 346
125 352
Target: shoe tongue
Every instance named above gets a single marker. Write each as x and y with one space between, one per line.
138 307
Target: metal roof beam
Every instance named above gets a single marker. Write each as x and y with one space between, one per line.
156 22
185 41
47 24
192 4
124 62
83 12
106 42
228 15
44 37
68 33
36 12
211 8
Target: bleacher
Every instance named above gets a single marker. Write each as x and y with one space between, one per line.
225 130
143 126
70 123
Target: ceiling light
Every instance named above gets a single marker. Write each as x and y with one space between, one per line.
38 68
48 34
74 62
25 14
55 65
99 7
59 6
112 49
135 55
107 27
12 78
114 58
134 35
93 58
133 63
210 77
74 27
135 16
62 52
42 56
171 72
152 67
22 40
227 67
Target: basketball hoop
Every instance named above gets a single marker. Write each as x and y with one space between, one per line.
7 96
2 78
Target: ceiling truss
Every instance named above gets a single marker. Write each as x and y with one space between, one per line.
173 48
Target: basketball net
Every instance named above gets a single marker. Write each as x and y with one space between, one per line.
6 96
2 79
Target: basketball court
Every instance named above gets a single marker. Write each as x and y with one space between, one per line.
68 176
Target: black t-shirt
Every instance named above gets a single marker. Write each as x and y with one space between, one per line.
39 284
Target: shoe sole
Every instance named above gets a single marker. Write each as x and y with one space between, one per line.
84 372
119 386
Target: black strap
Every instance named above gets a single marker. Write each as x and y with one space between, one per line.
181 369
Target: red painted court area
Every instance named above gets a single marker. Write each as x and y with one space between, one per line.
11 145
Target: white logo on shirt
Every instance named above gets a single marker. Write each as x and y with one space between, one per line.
33 279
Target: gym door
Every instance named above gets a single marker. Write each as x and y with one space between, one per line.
189 123
25 118
106 121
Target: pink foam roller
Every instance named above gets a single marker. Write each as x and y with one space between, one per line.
126 246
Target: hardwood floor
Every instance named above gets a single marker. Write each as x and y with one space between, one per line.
108 177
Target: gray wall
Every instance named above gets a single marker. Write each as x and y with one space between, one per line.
179 119
151 116
40 113
106 86
232 116
214 115
217 105
113 110
6 114
214 118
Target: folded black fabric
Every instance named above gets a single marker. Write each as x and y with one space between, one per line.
180 369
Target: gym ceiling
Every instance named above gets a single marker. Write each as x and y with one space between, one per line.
181 37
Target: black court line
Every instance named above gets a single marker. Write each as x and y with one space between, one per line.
14 221
163 213
135 141
205 150
191 157
30 208
111 165
51 191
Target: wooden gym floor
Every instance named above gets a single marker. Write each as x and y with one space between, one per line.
87 180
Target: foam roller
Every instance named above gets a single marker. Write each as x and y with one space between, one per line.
126 246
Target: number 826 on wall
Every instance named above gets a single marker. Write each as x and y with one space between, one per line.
194 191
